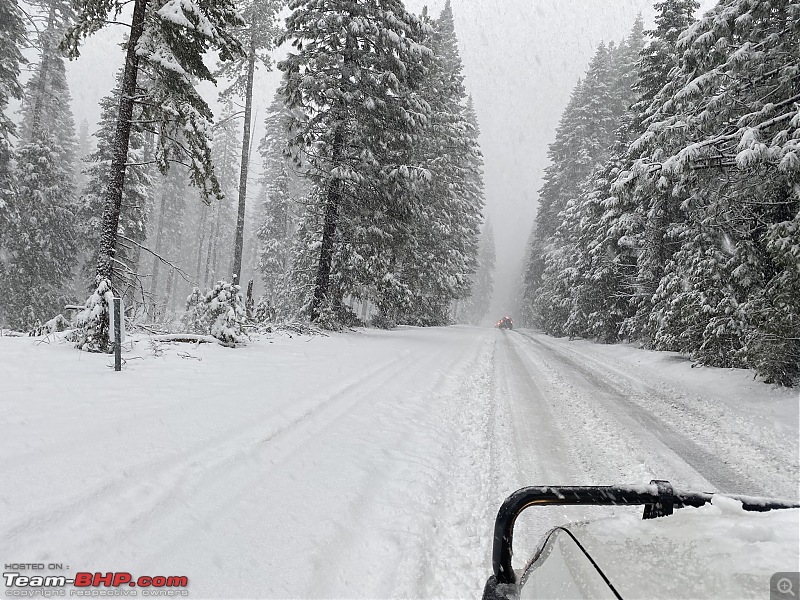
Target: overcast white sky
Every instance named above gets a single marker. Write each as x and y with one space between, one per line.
521 58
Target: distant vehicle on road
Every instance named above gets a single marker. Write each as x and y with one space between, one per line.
505 323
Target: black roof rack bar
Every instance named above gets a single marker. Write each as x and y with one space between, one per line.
658 499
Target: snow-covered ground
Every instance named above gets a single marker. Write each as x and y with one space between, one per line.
366 464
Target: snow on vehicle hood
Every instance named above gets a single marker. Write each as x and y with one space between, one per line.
717 551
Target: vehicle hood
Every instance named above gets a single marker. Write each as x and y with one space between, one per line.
717 551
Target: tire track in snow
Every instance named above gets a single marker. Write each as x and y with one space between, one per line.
345 506
400 513
760 461
619 401
150 487
548 444
476 477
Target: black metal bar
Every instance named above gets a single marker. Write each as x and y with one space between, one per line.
552 496
117 334
665 503
659 499
749 503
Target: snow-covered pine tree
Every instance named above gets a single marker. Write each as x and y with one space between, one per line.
276 225
170 195
257 37
176 226
304 256
219 312
84 150
441 254
12 37
474 198
222 217
583 138
170 39
560 184
646 210
599 299
41 241
132 226
351 78
724 139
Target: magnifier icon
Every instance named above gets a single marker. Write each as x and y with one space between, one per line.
785 587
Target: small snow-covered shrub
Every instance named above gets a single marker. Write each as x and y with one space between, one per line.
57 323
220 312
383 321
92 331
335 317
265 311
194 318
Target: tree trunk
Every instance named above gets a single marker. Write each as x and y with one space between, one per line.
236 269
177 218
113 199
211 257
162 214
203 221
334 198
41 88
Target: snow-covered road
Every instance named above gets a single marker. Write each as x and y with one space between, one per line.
367 464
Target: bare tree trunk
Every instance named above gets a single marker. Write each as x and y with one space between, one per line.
211 258
203 221
44 67
176 217
236 269
333 199
159 248
113 199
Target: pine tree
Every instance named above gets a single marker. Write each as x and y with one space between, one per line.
583 139
12 37
351 81
219 312
132 226
648 209
257 37
41 241
222 224
84 150
440 258
304 255
723 141
276 222
599 299
168 39
171 198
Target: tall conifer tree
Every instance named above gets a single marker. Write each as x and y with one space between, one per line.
257 37
441 253
169 39
351 78
12 37
42 237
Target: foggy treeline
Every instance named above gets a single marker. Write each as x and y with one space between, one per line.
368 196
669 214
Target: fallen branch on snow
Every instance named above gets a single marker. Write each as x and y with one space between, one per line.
190 338
301 329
